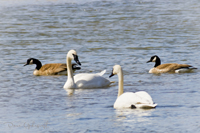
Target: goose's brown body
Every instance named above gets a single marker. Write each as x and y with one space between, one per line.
50 69
169 67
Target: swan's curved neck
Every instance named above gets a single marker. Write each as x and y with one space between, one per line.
121 83
69 70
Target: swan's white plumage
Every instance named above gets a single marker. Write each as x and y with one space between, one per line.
140 99
102 73
83 80
89 80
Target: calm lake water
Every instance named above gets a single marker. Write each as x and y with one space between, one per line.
103 33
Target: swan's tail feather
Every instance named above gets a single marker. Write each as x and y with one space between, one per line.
102 73
146 106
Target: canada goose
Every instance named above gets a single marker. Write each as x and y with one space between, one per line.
83 80
169 67
49 69
140 99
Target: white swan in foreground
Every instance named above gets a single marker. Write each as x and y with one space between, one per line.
139 99
83 80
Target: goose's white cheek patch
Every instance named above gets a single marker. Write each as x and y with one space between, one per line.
31 62
154 59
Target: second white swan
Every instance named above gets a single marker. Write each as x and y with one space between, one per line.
83 80
140 99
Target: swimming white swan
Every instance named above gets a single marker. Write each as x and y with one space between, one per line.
83 80
140 99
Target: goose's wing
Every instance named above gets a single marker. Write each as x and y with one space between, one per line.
168 66
173 66
60 68
179 66
53 68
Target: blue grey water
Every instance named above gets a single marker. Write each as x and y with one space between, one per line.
103 33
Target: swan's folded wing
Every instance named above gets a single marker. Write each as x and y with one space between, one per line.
139 99
126 100
145 97
102 73
86 80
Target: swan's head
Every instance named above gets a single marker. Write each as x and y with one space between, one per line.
73 56
116 70
30 61
153 59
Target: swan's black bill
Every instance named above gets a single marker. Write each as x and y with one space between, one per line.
76 59
111 74
148 61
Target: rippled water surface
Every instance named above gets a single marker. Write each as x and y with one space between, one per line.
103 33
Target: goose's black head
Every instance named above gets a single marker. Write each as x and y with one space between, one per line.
155 59
75 67
31 61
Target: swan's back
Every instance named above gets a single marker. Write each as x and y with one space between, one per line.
145 97
86 80
139 99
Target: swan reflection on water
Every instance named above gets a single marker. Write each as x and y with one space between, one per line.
134 115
